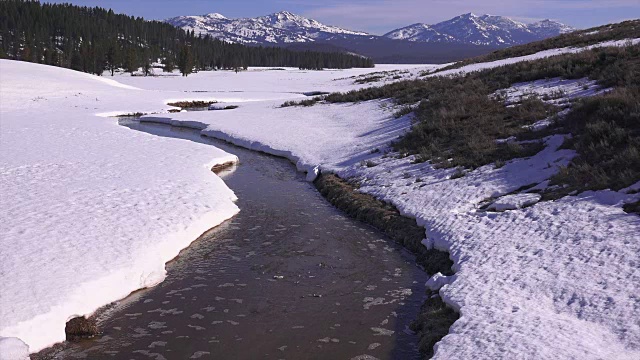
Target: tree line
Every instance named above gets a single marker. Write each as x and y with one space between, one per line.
95 39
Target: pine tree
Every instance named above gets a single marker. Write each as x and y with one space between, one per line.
185 61
112 58
168 64
131 61
146 63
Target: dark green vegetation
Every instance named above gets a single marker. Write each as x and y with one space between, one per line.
625 30
449 134
200 105
307 102
633 208
458 119
192 104
95 39
369 79
606 133
435 317
131 115
433 323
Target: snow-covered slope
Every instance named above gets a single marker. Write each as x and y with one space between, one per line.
279 28
480 30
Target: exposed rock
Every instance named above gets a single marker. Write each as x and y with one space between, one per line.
222 167
81 328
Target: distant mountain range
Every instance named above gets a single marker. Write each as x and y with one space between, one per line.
463 36
481 30
279 28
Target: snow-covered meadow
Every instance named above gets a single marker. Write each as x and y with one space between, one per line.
91 211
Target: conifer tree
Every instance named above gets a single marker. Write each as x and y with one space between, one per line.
185 61
168 64
112 57
131 61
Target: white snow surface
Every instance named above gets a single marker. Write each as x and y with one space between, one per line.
514 202
556 280
555 91
13 349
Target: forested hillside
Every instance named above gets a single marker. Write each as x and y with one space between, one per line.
94 39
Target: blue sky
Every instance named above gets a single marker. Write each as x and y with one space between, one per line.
380 16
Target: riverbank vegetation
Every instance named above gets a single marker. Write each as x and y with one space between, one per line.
95 39
192 104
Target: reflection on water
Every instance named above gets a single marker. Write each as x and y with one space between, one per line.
290 277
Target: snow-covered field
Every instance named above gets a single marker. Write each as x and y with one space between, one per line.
88 205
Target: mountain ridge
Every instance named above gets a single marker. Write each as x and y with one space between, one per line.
281 27
480 30
285 27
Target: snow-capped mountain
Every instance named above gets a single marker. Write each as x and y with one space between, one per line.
419 32
279 28
548 28
480 30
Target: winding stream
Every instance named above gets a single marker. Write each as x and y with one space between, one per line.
290 277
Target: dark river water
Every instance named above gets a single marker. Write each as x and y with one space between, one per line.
290 277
